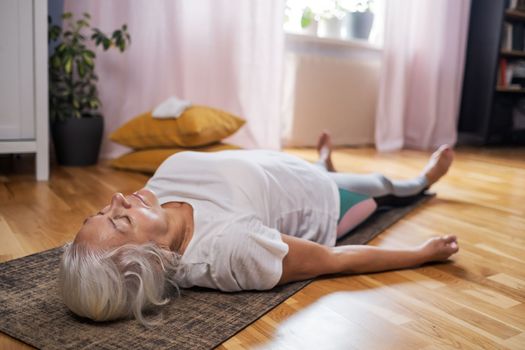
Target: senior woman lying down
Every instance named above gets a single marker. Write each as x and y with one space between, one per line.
235 220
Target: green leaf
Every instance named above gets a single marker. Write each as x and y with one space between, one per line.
93 103
81 69
54 32
118 37
68 64
86 15
55 61
106 43
82 23
61 48
67 15
87 59
307 17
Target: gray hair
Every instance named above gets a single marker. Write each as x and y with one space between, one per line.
109 284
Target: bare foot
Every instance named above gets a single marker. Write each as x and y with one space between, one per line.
438 164
439 248
324 148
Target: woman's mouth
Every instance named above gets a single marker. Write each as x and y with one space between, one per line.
139 197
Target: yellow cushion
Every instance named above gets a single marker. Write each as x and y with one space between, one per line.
148 161
197 126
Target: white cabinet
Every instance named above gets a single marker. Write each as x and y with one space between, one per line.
23 81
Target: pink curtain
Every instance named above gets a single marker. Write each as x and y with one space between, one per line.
423 61
226 54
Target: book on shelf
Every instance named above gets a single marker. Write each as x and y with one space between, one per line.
506 42
511 75
513 37
517 37
502 72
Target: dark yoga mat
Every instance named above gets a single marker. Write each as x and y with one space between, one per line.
30 309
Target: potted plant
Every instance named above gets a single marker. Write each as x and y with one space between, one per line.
359 19
331 20
308 22
76 124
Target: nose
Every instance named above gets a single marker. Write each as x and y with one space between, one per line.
118 200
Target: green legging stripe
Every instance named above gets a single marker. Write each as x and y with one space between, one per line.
348 200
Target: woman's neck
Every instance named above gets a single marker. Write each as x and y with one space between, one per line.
181 225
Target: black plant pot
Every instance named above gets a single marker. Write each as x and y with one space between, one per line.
77 140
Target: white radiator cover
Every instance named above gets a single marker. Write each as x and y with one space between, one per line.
328 92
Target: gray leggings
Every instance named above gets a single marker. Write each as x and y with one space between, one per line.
377 185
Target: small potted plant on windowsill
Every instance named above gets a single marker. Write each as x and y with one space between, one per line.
331 21
359 19
309 22
76 124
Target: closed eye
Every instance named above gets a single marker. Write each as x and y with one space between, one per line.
125 217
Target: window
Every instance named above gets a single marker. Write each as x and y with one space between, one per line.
337 19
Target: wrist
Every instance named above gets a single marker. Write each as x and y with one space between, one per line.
421 255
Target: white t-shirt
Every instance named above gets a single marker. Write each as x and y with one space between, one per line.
242 202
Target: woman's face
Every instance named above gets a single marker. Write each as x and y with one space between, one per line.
135 218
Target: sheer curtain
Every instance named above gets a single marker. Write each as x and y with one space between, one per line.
423 60
222 53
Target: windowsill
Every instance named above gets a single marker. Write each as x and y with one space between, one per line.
331 42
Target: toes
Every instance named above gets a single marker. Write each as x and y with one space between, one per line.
451 242
449 152
444 148
322 139
449 238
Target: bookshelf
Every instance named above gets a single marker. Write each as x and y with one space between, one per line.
512 54
514 15
510 89
492 88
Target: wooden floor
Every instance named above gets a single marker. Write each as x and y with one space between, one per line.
475 302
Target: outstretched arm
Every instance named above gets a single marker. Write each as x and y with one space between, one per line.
306 259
